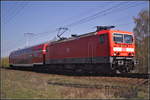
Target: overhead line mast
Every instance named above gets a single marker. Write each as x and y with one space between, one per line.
27 37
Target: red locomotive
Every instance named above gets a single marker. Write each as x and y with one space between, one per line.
103 51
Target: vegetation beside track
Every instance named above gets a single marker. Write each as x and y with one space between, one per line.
27 84
4 62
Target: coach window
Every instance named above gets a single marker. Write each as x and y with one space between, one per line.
102 38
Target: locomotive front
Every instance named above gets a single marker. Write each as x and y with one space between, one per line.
122 51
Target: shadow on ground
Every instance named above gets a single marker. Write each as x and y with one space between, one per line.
81 73
62 72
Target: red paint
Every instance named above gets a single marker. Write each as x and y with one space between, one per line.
82 47
34 56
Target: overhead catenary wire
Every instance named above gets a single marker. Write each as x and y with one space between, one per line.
80 22
87 19
91 16
123 18
16 12
10 11
111 8
79 15
86 12
13 12
55 30
66 4
67 26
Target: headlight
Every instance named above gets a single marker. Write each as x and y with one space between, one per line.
131 54
118 54
115 54
130 49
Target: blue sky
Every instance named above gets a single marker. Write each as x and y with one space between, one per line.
43 18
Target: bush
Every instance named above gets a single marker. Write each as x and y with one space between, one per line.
4 62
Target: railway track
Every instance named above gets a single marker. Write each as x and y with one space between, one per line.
117 86
70 73
117 90
133 75
96 86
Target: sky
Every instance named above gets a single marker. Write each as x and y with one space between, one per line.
28 23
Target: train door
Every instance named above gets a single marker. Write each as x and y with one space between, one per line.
104 44
90 51
49 54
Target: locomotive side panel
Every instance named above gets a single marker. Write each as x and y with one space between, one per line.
81 50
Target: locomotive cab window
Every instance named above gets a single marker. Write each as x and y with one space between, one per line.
102 38
122 38
118 38
128 38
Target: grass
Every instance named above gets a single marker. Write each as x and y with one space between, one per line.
4 62
25 84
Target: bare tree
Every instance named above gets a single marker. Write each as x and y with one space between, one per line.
142 35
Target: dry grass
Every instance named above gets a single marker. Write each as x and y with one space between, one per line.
4 62
24 84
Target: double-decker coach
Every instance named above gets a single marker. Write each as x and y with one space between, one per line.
27 57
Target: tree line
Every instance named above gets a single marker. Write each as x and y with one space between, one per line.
142 40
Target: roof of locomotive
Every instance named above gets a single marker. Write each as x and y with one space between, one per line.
113 31
90 34
76 37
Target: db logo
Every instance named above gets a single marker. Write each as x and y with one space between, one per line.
68 50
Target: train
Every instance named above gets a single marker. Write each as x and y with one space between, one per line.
102 51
